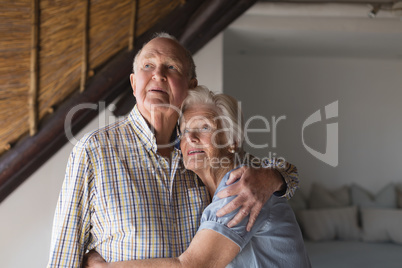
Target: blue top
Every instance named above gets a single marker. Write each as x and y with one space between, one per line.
274 241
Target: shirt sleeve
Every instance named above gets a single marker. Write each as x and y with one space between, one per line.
71 224
288 172
238 234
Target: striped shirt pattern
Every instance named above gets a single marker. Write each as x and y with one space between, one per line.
124 200
288 172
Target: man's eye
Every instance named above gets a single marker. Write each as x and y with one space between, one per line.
171 67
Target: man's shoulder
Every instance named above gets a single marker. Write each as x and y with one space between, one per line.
106 134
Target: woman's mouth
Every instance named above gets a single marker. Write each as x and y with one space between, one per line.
194 152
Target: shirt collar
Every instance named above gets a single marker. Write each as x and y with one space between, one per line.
142 129
148 138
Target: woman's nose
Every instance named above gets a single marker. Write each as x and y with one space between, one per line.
192 136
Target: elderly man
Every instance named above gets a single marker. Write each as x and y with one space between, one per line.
126 193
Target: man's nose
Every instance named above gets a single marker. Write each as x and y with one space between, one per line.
160 73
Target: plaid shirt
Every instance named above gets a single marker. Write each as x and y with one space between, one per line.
124 200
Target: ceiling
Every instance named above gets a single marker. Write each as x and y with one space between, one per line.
62 60
326 29
266 29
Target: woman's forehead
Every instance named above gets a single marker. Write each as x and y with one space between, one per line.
199 114
201 111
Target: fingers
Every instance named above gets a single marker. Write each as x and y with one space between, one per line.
233 205
243 212
92 259
251 209
230 191
251 191
255 211
235 175
234 189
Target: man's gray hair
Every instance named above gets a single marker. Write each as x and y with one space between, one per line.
228 112
190 61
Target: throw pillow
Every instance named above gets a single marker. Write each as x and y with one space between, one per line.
298 201
399 195
329 224
386 198
320 197
382 225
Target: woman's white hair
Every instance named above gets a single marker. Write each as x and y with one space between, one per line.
228 112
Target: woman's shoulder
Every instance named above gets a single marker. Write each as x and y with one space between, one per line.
222 185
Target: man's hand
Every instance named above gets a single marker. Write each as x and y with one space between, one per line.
93 260
254 188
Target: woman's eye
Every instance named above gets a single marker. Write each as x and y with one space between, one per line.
205 129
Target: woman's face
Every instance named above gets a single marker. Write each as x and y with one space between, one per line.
203 142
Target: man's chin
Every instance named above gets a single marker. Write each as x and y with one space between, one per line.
161 105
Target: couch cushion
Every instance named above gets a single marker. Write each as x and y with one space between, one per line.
352 254
320 197
386 198
329 224
399 195
298 201
382 225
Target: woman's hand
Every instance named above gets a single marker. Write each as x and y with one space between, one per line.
254 188
93 260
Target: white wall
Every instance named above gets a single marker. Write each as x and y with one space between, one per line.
209 64
289 59
27 214
370 126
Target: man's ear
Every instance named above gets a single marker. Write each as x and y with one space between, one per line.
132 82
193 83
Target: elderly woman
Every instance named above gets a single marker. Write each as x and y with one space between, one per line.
212 134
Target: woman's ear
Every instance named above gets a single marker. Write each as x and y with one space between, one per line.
232 148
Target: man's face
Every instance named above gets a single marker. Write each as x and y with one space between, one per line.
161 79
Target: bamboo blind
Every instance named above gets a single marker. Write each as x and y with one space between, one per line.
49 49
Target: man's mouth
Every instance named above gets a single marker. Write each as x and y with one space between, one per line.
158 90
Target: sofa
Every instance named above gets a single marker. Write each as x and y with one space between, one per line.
350 226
